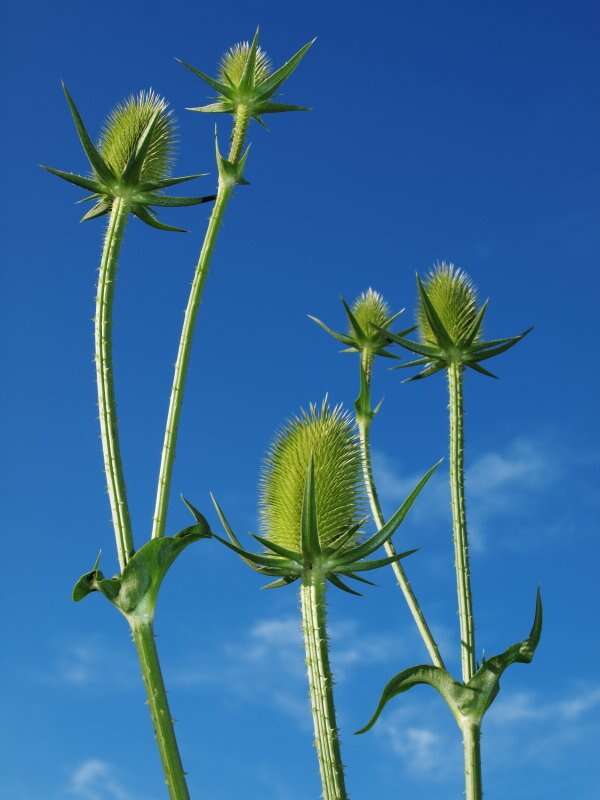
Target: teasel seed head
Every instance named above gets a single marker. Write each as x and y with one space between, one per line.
328 436
233 64
454 298
371 312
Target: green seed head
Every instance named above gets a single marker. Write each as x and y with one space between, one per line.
454 297
234 61
328 435
371 311
124 127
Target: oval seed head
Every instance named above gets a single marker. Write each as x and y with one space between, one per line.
371 311
234 61
328 435
125 125
454 297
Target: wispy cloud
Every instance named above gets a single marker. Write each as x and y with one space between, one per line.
502 482
91 661
95 779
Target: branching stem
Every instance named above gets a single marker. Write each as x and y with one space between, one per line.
185 343
312 594
364 427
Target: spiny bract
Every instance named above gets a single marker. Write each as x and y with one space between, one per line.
124 127
454 298
371 311
328 435
233 63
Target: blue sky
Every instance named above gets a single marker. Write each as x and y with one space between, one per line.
465 131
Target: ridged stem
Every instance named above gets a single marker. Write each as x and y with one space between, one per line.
312 597
459 522
364 427
472 752
143 637
185 342
109 435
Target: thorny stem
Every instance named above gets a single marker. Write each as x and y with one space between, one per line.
459 522
312 595
143 637
109 435
185 343
472 751
364 425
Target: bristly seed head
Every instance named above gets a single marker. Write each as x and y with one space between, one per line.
124 127
371 311
233 63
454 297
329 436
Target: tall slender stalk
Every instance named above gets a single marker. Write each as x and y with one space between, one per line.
143 637
364 427
105 383
459 522
327 743
167 460
472 754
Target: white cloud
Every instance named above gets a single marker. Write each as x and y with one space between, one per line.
93 662
95 779
527 706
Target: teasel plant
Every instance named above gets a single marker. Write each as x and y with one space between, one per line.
311 502
246 85
367 334
450 324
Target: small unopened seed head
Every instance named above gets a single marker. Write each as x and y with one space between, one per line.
234 61
454 298
371 311
125 125
328 435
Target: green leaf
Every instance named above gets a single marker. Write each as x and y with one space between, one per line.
436 677
143 213
79 180
417 362
278 108
270 85
213 108
133 168
221 88
311 547
365 566
264 561
247 79
339 583
354 577
279 583
339 336
437 326
483 354
223 520
99 209
174 202
480 369
165 183
103 171
475 326
202 524
337 543
425 373
387 531
277 548
414 347
354 323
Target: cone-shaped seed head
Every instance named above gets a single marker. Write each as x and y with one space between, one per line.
329 436
370 310
124 127
233 62
454 297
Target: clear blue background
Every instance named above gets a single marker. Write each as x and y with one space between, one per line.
465 131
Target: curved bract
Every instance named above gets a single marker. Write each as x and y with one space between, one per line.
132 160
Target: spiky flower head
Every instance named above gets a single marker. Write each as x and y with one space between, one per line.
125 126
450 325
371 312
245 80
327 435
454 298
132 160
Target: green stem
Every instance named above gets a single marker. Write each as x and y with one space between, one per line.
312 595
364 426
459 522
143 637
185 342
472 752
105 383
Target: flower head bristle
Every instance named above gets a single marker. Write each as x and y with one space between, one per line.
125 125
371 311
233 63
328 436
453 297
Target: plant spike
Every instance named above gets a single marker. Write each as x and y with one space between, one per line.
251 64
369 335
